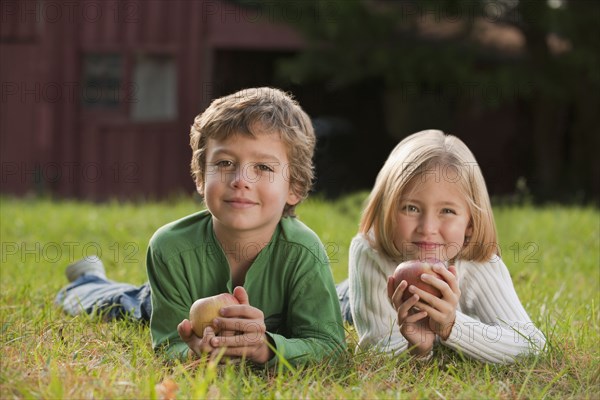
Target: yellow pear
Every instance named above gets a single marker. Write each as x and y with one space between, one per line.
205 310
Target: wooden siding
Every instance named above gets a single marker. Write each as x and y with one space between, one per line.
20 120
139 159
54 144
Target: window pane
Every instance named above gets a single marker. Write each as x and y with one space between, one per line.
155 88
102 75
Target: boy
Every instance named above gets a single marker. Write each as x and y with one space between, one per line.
252 165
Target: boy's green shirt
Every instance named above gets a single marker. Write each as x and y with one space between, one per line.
290 281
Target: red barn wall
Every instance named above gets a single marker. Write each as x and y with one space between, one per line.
52 144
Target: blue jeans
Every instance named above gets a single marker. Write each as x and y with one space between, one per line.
113 300
96 294
343 290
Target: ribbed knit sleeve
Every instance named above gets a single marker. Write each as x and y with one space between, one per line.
491 324
373 315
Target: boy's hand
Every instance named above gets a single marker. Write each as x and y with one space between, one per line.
414 325
441 311
248 323
198 345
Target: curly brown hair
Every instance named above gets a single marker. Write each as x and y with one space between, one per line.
252 111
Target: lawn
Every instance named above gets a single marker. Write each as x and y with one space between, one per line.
553 254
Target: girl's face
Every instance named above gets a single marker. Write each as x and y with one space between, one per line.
433 219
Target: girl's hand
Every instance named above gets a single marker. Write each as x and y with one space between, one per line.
441 311
414 325
248 323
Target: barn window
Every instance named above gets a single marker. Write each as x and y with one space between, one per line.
154 87
102 76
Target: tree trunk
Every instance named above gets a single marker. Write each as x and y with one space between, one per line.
549 128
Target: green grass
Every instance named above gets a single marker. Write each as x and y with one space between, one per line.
552 252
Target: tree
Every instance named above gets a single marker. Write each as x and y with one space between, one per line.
440 44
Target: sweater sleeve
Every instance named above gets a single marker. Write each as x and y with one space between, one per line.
315 321
168 307
373 315
313 328
492 324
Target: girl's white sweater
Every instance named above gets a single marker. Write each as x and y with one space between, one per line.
491 324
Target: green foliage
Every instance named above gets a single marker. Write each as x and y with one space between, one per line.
440 63
552 253
433 42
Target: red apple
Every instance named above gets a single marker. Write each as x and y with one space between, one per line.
411 271
205 310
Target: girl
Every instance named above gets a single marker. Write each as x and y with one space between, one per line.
430 202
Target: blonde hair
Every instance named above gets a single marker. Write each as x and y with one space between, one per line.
252 111
411 159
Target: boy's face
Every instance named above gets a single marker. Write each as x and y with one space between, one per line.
246 184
